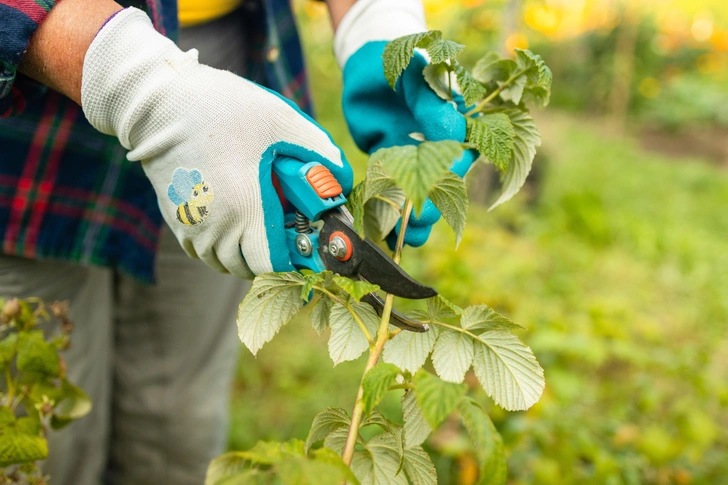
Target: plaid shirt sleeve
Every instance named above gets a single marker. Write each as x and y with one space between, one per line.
18 21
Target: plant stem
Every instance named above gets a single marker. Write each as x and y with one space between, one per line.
406 385
376 351
10 384
496 92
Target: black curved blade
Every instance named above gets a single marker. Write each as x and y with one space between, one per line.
367 260
397 319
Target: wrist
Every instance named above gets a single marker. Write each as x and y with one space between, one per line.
376 20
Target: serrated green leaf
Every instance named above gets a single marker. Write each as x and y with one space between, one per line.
488 443
253 476
409 350
347 341
324 423
494 136
355 288
336 440
526 140
375 418
226 466
508 370
419 467
539 77
264 452
440 308
415 169
329 456
355 203
416 430
37 355
298 470
363 200
71 404
273 300
377 180
514 92
382 212
436 398
7 418
319 316
379 462
376 383
484 318
473 91
397 53
451 198
538 96
8 347
441 50
453 355
536 69
20 441
491 68
309 281
436 76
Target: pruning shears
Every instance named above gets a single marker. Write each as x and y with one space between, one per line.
336 246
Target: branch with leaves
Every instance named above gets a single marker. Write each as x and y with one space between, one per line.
494 97
37 395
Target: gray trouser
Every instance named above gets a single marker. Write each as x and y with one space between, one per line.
157 362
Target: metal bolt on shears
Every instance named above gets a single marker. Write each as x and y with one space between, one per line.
336 246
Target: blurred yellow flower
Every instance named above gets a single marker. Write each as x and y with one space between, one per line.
702 28
650 87
516 41
543 18
720 40
712 63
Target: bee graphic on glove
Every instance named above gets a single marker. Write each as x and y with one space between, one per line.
191 195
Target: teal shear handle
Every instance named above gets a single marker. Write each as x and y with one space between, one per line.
313 190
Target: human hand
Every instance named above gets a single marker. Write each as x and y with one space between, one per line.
379 117
207 140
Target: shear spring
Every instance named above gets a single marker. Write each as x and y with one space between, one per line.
302 224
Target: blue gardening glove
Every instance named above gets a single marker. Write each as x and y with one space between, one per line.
379 117
207 140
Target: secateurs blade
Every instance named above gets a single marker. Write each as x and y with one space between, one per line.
337 247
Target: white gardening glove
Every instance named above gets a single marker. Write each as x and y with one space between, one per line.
207 140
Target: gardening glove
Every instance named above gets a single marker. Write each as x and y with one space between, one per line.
207 140
379 117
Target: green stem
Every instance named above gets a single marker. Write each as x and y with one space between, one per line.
453 327
388 201
10 385
406 385
479 108
376 351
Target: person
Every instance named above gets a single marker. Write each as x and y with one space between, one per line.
161 136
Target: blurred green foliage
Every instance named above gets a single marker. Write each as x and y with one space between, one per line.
617 262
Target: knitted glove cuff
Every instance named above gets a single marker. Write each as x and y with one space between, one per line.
373 20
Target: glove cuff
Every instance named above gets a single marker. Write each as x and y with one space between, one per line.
127 70
373 20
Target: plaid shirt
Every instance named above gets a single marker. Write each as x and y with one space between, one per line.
66 191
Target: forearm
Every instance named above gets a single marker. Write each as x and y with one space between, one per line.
337 10
57 49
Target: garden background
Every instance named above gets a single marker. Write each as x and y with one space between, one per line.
615 256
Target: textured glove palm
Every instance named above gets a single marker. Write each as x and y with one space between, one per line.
207 140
